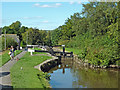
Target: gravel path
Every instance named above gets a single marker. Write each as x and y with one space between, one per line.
5 81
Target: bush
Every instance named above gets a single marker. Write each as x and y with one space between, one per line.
9 42
0 43
22 44
101 50
63 42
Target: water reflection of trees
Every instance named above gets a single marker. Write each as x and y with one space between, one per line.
94 78
91 78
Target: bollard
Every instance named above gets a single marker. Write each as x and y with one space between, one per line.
63 49
71 55
31 53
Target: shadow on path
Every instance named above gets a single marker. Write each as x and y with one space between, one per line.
5 80
6 87
2 74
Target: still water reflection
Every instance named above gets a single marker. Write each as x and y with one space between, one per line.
73 75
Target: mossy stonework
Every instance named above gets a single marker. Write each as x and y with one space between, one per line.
48 64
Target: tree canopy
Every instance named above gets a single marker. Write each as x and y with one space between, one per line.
94 31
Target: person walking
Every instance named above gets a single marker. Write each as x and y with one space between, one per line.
11 53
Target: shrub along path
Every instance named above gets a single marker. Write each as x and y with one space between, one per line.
5 80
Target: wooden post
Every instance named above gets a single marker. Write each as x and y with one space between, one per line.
63 69
63 51
71 55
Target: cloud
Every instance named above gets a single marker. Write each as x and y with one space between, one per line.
58 4
71 2
36 17
45 21
47 6
79 2
44 6
37 4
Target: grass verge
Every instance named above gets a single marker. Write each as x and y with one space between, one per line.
36 48
28 76
74 50
5 57
39 53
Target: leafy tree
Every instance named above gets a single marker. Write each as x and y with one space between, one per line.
9 42
7 29
95 31
16 27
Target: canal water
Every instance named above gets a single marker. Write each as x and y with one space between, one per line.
70 74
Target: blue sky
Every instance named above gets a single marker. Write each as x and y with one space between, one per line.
41 15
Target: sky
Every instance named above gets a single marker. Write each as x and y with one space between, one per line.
41 15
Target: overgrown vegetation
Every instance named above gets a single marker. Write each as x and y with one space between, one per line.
93 34
27 35
9 42
23 70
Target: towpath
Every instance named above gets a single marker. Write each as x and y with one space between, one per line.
5 81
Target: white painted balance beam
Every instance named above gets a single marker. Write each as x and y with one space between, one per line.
31 51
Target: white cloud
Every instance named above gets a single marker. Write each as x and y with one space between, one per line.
44 6
71 2
79 2
37 4
25 17
47 6
58 4
45 21
35 17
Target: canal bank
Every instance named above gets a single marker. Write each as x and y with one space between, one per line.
85 62
70 74
48 64
24 75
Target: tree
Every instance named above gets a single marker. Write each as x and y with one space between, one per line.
16 27
34 36
8 30
94 30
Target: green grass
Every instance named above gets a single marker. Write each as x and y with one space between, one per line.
39 53
17 52
5 57
36 48
74 50
27 77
